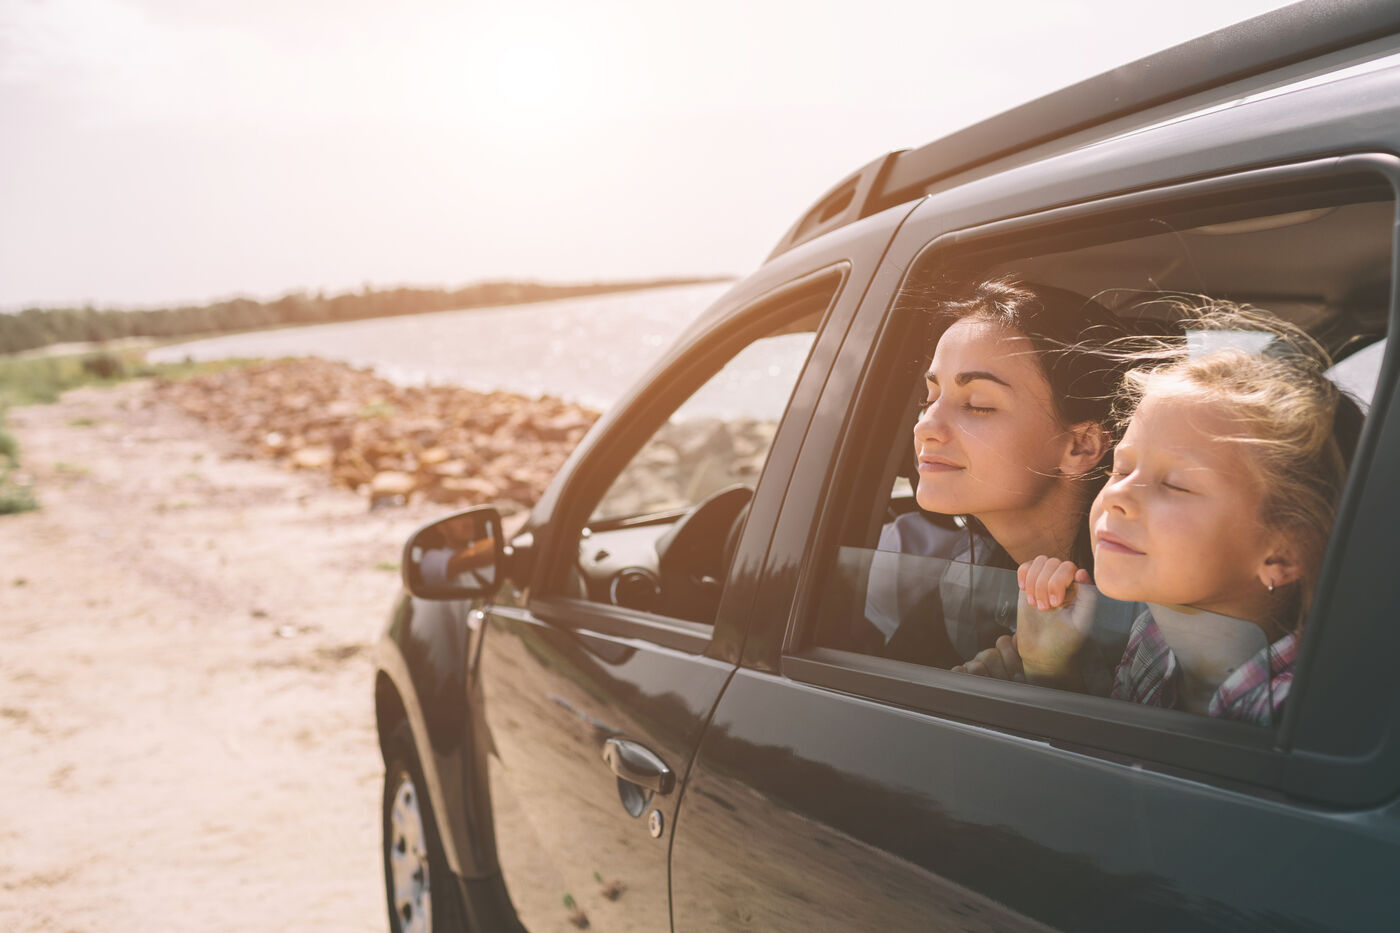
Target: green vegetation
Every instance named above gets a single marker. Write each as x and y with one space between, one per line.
42 379
13 497
9 447
40 327
377 409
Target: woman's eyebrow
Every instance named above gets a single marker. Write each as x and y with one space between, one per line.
963 379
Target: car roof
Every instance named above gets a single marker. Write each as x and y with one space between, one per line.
1254 47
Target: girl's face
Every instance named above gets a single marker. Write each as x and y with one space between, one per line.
1180 519
988 440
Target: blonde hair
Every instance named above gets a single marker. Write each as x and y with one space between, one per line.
1287 411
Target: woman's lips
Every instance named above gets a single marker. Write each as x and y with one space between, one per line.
937 465
1115 545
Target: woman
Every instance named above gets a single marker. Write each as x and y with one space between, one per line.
1013 437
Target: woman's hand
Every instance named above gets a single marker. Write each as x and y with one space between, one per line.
1001 662
1053 621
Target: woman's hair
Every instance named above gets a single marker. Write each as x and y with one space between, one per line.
1071 337
1298 429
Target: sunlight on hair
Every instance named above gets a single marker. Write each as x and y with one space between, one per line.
1201 343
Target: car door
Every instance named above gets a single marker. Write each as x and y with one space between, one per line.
838 789
597 679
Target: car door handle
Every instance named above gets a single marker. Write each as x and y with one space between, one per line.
638 765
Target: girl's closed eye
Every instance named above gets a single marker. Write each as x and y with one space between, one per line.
977 409
1174 485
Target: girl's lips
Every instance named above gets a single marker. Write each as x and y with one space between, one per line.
1115 545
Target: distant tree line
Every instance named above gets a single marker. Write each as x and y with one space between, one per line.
39 327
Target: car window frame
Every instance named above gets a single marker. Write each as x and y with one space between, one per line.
698 358
1237 754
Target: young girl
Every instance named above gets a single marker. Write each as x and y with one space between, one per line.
1220 499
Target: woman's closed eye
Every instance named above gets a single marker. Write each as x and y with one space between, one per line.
966 406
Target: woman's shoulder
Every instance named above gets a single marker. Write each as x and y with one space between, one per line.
917 534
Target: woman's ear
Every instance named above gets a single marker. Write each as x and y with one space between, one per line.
1088 442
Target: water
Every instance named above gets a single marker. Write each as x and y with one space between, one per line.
588 350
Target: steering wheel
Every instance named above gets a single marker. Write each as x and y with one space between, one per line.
691 556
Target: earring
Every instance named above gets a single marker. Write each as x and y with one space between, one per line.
1271 586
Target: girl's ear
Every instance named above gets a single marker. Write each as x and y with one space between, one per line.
1088 442
1281 567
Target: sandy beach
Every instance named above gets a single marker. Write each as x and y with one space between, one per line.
186 684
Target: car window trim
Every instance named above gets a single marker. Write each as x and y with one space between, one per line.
606 619
717 344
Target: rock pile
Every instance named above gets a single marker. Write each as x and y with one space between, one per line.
686 461
388 442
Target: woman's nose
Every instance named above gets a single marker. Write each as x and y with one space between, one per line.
931 424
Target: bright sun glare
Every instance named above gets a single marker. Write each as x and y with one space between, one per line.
533 73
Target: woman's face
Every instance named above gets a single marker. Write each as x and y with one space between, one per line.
988 440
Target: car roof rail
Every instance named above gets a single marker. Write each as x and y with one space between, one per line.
1255 46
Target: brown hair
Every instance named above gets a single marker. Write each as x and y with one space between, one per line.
1070 333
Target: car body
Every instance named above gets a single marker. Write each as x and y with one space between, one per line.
641 715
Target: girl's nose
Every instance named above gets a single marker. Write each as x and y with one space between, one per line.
1119 495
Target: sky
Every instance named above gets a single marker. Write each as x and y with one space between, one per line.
162 152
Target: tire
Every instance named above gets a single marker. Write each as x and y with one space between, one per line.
418 885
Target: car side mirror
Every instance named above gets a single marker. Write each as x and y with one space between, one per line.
458 557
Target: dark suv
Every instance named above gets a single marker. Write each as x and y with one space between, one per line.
641 711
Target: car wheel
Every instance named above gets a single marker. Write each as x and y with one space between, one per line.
416 878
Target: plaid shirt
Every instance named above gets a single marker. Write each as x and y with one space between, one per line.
1254 691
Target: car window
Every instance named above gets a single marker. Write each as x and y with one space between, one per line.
663 532
719 436
910 578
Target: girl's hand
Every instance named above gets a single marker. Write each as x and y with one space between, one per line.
1053 621
1047 580
1001 662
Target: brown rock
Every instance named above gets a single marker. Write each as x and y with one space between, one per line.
471 488
453 468
392 483
313 458
467 446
